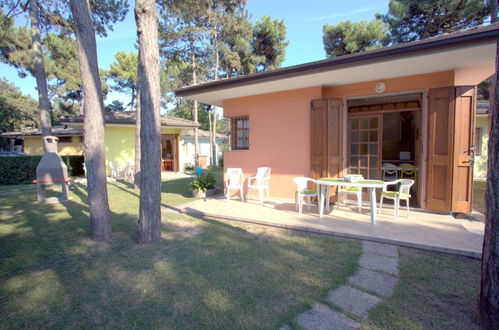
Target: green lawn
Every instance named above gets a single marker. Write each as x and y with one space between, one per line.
204 273
479 196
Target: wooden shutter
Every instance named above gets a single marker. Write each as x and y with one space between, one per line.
440 144
326 120
462 179
451 113
318 143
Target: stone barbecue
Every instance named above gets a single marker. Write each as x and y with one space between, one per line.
51 170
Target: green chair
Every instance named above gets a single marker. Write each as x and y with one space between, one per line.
357 191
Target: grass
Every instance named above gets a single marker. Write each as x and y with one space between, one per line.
479 195
434 292
204 273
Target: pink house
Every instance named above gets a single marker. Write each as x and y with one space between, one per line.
413 103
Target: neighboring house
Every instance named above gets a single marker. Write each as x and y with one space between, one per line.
187 145
411 103
177 140
30 140
481 140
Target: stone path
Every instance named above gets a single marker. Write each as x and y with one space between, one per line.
375 278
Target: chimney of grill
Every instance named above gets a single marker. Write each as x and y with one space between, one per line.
51 168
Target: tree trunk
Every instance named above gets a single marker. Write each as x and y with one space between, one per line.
93 124
213 135
39 68
488 300
210 125
136 177
150 93
195 112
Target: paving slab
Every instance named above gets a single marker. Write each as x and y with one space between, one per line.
285 327
322 317
386 250
381 283
352 300
379 263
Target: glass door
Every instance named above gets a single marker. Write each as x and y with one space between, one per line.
364 138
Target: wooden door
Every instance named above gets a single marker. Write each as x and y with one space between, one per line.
334 138
364 143
462 178
450 137
440 143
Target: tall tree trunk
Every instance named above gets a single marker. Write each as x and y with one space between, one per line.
136 177
195 111
210 125
150 130
213 135
488 299
93 124
39 66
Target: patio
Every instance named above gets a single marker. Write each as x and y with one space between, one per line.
423 230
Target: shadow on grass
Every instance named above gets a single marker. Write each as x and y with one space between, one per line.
204 273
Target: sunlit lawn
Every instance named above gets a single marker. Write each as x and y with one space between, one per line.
204 273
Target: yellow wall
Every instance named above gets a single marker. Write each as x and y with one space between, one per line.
480 164
33 146
120 144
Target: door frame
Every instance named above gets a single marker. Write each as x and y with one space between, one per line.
423 149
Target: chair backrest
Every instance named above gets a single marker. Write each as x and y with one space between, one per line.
390 171
302 182
405 186
234 176
408 170
262 176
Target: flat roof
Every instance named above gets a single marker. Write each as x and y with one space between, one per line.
463 49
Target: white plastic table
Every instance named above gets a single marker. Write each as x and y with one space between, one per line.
326 183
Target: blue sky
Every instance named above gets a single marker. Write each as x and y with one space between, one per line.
304 21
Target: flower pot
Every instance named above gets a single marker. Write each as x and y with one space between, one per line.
198 194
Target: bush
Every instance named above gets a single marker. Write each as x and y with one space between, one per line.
22 169
221 160
203 182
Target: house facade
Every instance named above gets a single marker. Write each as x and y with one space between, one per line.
408 104
177 141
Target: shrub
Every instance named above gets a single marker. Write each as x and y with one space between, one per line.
22 169
203 182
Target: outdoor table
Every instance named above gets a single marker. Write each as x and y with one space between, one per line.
324 184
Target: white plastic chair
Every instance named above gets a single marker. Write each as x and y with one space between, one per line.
303 191
403 193
115 171
260 182
129 172
234 179
390 171
357 191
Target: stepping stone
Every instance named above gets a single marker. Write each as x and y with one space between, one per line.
380 248
285 327
353 300
322 317
382 284
379 263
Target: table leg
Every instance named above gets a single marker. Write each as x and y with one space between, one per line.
321 201
372 192
328 197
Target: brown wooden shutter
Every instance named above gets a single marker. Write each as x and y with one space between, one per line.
440 143
318 143
451 113
462 184
334 138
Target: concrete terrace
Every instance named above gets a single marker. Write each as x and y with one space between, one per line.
423 230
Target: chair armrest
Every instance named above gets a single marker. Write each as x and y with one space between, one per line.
390 183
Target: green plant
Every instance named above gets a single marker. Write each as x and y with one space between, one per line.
203 182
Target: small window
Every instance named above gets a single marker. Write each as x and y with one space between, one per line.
65 139
478 141
240 133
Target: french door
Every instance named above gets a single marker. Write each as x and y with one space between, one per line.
364 136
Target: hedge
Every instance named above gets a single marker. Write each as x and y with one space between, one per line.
22 169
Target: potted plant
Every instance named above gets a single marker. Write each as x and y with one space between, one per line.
203 185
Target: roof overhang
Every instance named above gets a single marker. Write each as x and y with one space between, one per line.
464 50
